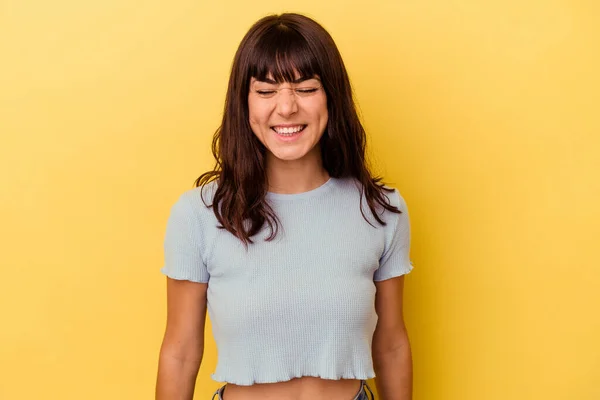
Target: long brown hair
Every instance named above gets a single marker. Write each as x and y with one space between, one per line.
283 45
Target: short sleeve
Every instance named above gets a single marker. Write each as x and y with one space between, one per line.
395 260
183 243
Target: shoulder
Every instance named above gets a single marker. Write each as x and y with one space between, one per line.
201 194
391 195
195 202
395 198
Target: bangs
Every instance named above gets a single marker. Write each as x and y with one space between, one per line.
282 53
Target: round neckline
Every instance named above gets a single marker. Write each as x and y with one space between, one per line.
302 195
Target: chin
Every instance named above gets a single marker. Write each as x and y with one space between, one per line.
289 157
291 153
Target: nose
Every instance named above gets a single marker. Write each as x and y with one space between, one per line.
286 102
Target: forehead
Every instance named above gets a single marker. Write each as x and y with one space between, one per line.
283 67
269 78
294 73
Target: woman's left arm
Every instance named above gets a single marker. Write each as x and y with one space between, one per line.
392 358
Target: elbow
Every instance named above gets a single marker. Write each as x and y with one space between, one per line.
393 343
178 352
176 362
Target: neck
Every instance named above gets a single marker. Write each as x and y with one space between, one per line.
297 176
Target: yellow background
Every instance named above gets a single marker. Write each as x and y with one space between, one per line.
483 113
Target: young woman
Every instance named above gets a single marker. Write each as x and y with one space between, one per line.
295 249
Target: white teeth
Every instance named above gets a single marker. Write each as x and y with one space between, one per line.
289 131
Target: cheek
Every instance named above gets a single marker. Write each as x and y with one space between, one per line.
325 116
315 109
321 112
258 118
257 115
251 111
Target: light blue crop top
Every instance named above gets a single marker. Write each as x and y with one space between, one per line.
302 304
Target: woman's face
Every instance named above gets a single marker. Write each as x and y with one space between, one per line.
289 118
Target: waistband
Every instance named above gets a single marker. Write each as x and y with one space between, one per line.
361 395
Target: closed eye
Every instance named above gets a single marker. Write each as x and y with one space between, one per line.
306 90
265 92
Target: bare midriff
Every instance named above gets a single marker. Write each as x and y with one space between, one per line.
304 388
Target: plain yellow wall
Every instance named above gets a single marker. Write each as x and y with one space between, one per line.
483 113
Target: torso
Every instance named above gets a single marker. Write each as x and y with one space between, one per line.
304 388
300 305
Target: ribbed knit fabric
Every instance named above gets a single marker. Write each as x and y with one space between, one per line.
302 304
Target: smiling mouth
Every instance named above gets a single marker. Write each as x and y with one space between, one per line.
288 131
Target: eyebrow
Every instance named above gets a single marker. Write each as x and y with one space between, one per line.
299 80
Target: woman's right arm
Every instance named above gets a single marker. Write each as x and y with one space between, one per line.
183 344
